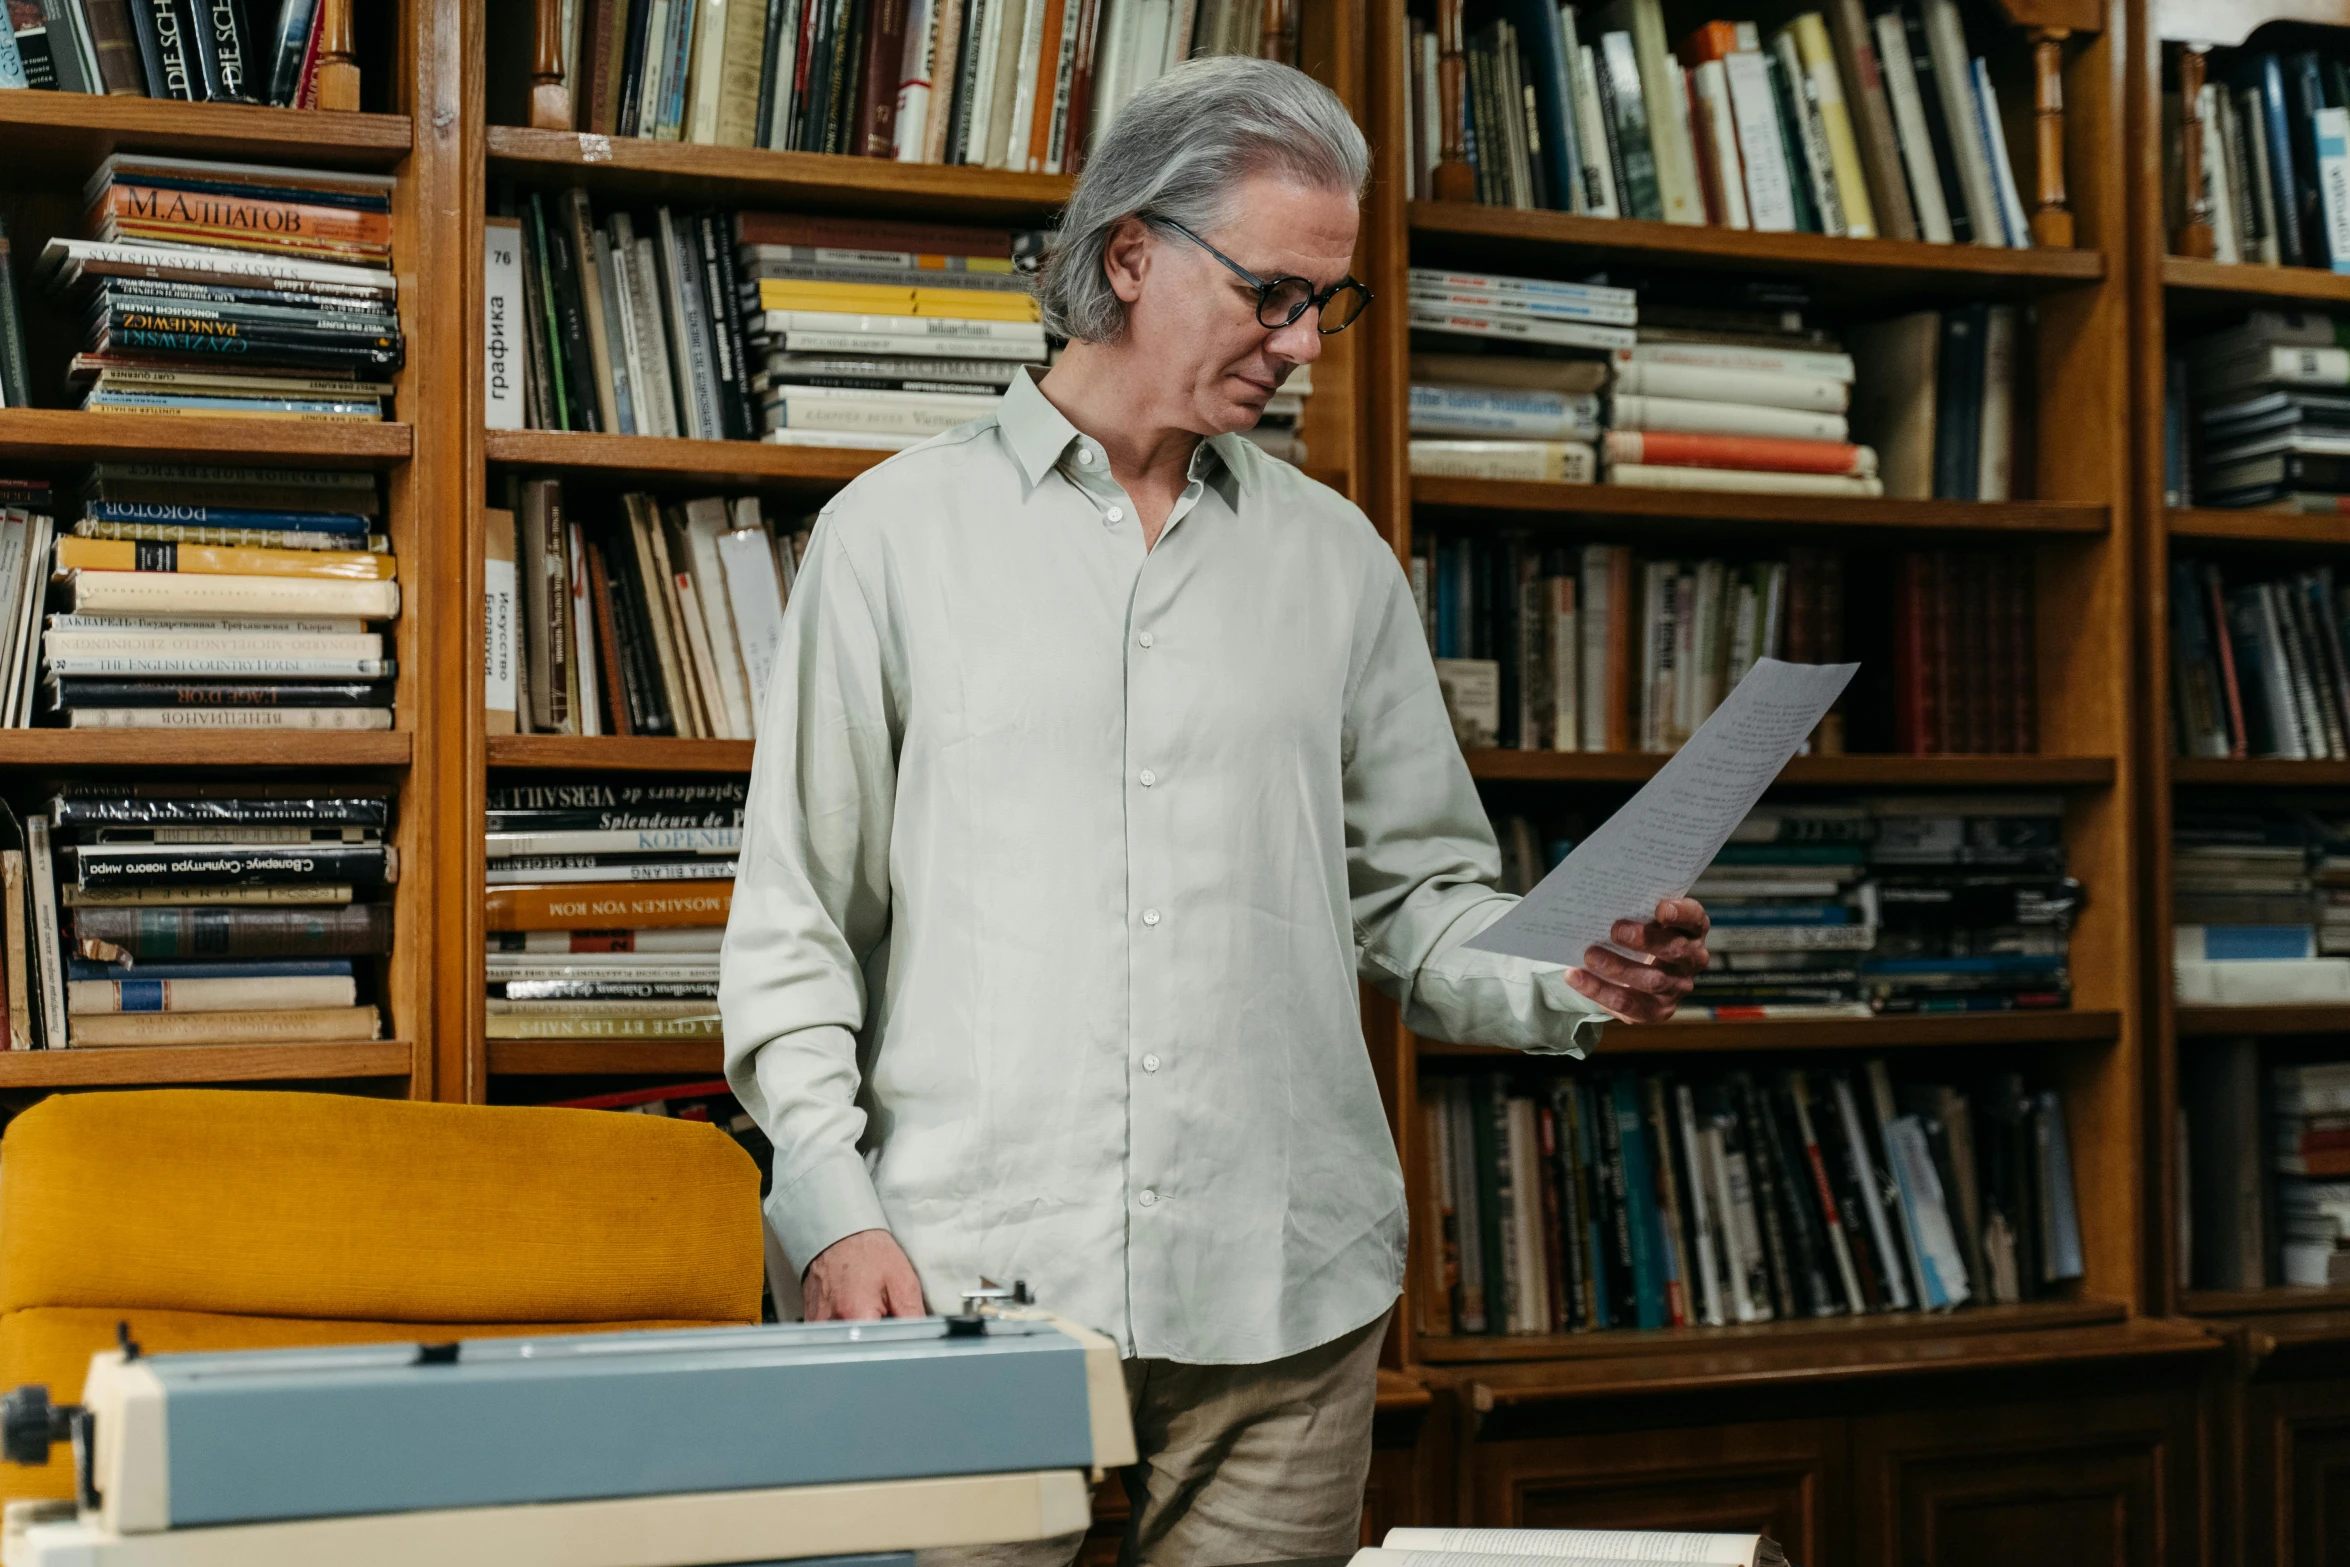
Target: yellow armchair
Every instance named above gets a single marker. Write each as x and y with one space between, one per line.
212 1219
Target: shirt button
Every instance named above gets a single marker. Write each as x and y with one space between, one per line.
1146 639
1148 777
1150 1063
1117 514
1150 916
1148 1197
1084 456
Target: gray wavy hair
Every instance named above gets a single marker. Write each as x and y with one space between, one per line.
1179 149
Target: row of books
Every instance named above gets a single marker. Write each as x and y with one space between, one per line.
717 325
229 289
2260 905
2258 414
2273 131
1846 124
2267 1159
2258 667
1656 1200
1550 647
607 904
1001 84
215 53
185 596
640 617
1530 378
180 913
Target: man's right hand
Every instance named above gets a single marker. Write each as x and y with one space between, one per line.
860 1277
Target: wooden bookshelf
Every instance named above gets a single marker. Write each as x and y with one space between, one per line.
583 1057
2211 525
648 459
619 754
1547 243
34 750
1891 1330
2243 283
128 1066
63 134
1855 772
2259 772
1783 1035
2314 1017
65 435
2282 1299
1786 514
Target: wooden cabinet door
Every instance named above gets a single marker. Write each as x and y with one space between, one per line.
2083 1482
2297 1473
1778 1477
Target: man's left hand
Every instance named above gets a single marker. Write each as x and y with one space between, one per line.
1648 992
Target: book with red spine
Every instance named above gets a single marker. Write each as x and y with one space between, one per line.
1670 449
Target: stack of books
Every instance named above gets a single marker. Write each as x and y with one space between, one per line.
1695 410
1503 416
1792 915
28 529
2245 910
2259 669
205 914
214 598
1653 1200
636 616
2267 1153
1974 910
1001 84
211 289
1844 124
1963 670
2276 178
264 53
708 1101
1551 648
2270 404
607 904
620 325
877 333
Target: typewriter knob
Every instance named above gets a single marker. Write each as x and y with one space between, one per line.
29 1423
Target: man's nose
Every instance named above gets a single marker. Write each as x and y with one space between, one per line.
1300 342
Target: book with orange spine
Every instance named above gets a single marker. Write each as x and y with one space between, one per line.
609 905
124 209
1669 449
81 554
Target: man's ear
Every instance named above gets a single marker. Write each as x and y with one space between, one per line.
1126 258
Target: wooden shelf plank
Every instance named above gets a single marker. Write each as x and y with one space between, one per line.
1810 512
653 459
1968 772
2304 1018
679 171
1495 1349
39 749
1696 1360
2235 280
615 753
2279 1300
583 1057
69 435
1834 1033
1504 236
163 1064
2253 526
2258 772
61 135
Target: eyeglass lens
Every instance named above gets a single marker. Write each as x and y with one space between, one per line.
1288 298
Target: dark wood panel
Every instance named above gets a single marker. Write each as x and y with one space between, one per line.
2295 1509
1699 509
1784 1478
2077 1482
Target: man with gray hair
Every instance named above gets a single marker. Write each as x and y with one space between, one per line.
1103 756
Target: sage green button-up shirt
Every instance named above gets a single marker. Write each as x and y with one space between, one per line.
1062 860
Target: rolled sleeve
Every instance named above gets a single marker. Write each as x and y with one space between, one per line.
811 902
1422 862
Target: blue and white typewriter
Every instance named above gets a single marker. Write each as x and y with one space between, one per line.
672 1449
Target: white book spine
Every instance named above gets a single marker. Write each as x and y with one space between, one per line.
1744 481
913 123
1017 136
652 335
1689 417
648 111
587 704
1910 129
705 78
1770 199
1732 356
705 522
219 665
502 339
1668 115
2264 201
791 413
2011 201
143 592
1709 84
23 631
1954 81
978 116
16 537
2218 187
230 718
614 321
1569 462
1757 388
756 598
1995 472
1600 197
2333 182
48 951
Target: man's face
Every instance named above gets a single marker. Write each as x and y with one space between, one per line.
1195 323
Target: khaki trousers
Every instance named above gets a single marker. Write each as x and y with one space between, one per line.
1239 1463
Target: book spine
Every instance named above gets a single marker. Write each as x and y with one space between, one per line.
1738 452
1878 144
85 554
95 997
140 593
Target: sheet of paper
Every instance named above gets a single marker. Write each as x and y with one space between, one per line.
1668 833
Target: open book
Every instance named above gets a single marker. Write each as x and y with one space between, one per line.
1569 1548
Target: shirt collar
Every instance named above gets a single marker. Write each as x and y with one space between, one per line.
1039 433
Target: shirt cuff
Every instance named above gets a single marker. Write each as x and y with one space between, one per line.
831 1199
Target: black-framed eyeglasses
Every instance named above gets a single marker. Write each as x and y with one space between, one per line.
1282 300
